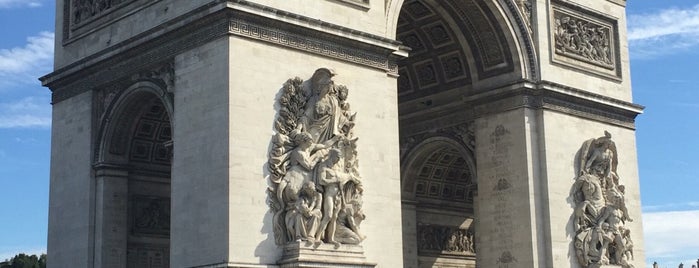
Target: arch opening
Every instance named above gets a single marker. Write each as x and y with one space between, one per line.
460 49
133 171
438 192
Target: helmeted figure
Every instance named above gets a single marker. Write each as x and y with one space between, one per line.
600 216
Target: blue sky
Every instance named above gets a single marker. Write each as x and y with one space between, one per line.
664 46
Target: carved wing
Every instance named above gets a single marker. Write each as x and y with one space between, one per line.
585 153
615 159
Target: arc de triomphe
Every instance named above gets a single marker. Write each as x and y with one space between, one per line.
343 133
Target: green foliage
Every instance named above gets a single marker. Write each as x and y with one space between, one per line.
25 261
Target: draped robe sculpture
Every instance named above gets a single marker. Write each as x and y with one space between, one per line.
314 145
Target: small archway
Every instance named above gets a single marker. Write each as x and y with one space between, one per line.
438 190
132 172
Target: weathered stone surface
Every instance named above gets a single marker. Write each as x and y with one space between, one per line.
466 157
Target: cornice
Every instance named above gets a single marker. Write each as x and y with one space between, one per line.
223 18
525 94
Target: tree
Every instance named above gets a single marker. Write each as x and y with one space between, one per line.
25 261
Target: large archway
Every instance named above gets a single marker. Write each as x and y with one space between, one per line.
461 51
133 168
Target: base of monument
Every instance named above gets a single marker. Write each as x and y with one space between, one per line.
308 255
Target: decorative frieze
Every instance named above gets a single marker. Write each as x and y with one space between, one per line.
91 72
445 239
585 40
151 215
307 40
82 10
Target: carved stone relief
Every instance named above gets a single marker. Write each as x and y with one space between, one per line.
525 7
82 10
445 239
506 258
584 39
600 216
315 188
151 215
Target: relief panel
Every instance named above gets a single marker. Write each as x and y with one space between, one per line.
585 40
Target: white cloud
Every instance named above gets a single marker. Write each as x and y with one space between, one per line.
25 64
19 3
29 112
671 207
670 237
664 32
36 53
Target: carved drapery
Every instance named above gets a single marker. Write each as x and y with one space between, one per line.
600 217
316 191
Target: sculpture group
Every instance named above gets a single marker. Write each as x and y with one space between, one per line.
600 217
315 189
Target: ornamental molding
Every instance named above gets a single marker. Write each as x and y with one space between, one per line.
556 97
524 23
363 5
240 18
463 133
585 40
80 17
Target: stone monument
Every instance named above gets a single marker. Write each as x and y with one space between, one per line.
343 133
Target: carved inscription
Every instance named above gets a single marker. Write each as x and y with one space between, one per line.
148 256
316 190
503 230
506 259
600 217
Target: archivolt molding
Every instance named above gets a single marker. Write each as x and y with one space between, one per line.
463 133
520 12
118 109
424 160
